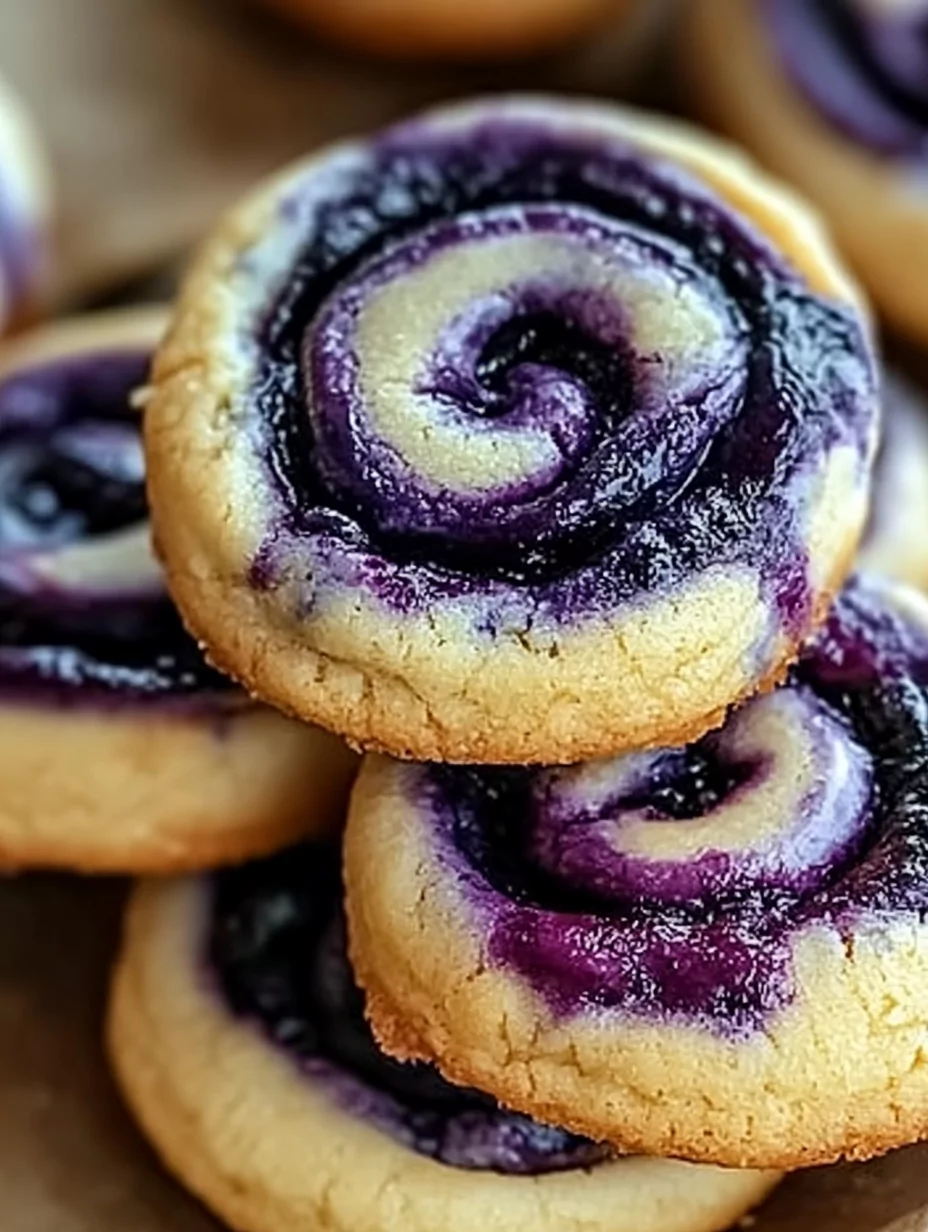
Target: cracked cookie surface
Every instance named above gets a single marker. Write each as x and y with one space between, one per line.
459 427
717 952
121 749
238 1037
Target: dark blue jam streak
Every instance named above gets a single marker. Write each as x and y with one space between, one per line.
868 74
808 364
554 342
688 782
55 491
277 944
725 963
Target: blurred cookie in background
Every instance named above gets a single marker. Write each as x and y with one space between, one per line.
895 542
121 748
834 98
449 29
25 213
156 114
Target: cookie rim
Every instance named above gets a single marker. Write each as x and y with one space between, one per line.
68 818
433 993
865 198
183 1062
399 700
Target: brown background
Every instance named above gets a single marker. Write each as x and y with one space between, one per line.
156 113
70 1160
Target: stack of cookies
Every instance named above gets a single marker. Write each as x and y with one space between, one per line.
526 447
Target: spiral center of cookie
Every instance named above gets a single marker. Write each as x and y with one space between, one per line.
531 363
546 341
277 943
687 783
493 369
777 801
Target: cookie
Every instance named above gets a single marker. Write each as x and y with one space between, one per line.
120 748
239 1040
440 470
25 213
424 28
716 952
894 541
833 97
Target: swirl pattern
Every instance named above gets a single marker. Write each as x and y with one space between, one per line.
234 1012
696 894
577 373
524 398
863 63
24 213
121 749
83 608
277 945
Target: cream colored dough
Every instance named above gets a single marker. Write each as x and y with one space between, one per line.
840 1071
267 1149
426 685
150 787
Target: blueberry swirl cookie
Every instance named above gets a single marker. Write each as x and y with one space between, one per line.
446 28
895 541
25 208
833 96
120 749
458 427
239 1039
717 952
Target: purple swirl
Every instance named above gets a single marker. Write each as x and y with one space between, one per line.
277 948
676 883
525 360
84 614
864 64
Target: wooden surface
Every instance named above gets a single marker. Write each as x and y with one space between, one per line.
159 112
70 1161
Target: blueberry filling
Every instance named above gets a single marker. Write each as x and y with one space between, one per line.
71 472
553 342
54 491
866 70
621 521
277 946
688 783
50 646
723 956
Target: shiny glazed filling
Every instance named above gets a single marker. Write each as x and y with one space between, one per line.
277 949
675 884
76 627
518 360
